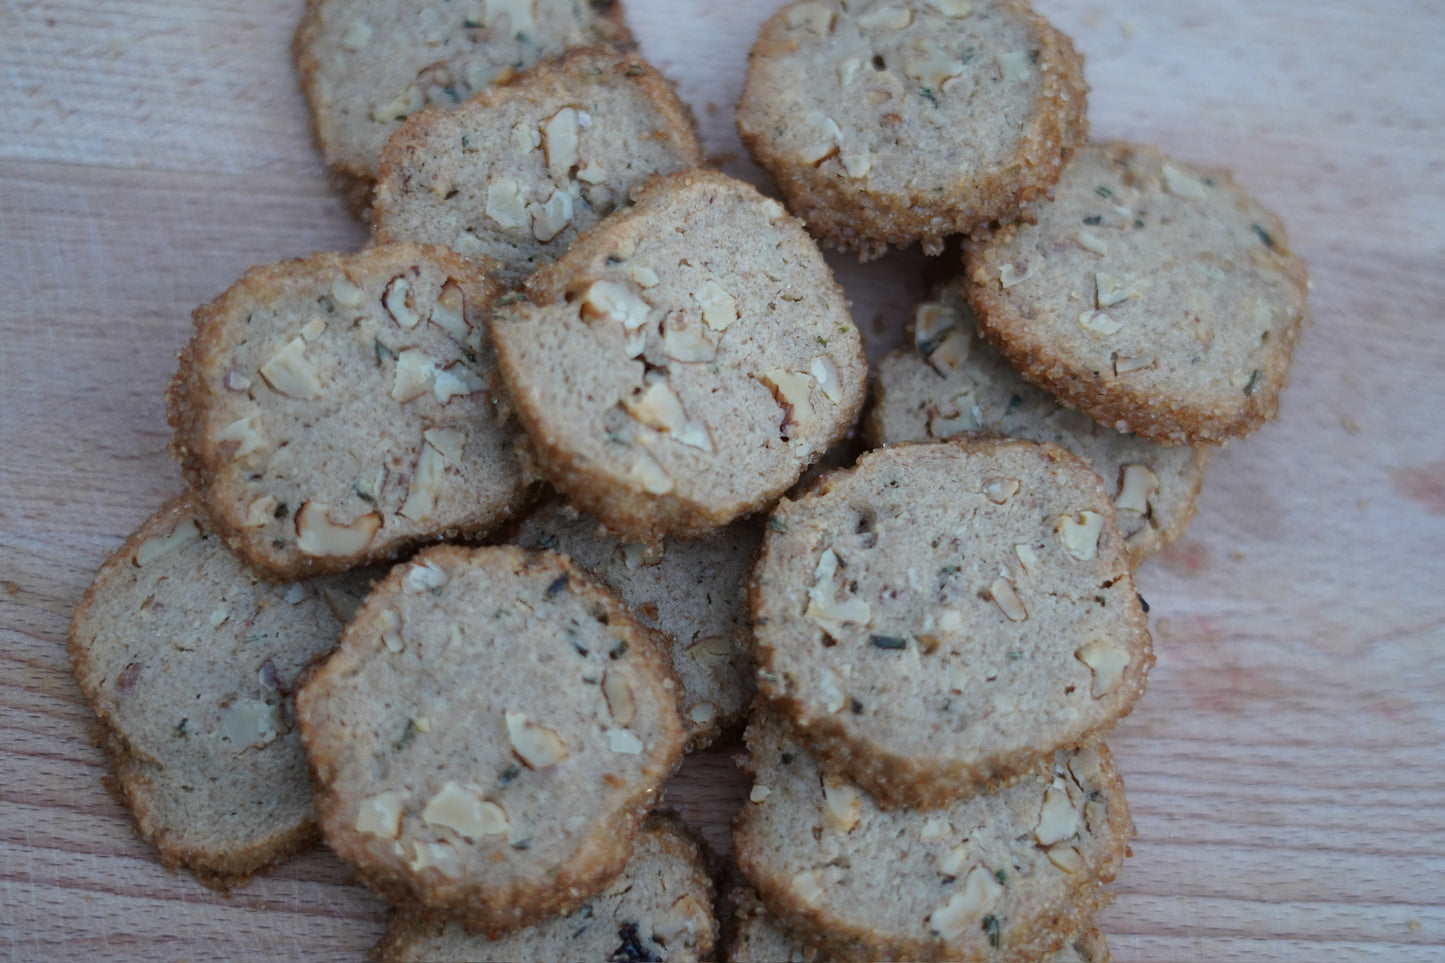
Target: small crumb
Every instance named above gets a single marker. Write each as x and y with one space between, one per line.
1351 425
1128 29
712 108
1363 504
1162 628
13 588
1236 556
1412 925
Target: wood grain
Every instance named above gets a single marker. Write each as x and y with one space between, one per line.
1285 769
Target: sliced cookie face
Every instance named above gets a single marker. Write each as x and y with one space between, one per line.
1009 873
336 410
685 361
516 173
692 591
890 122
1157 297
947 613
660 909
188 659
366 65
489 736
955 382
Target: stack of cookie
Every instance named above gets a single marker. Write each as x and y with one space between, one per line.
561 309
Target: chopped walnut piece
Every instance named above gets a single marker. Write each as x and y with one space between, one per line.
1138 488
841 805
507 204
536 745
381 815
1007 599
1080 534
466 812
823 606
318 535
1107 662
966 908
618 693
291 374
1058 817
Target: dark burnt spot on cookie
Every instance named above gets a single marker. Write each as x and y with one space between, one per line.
632 950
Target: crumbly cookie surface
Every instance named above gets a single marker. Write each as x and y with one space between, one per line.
338 409
947 613
489 735
953 381
1155 296
692 591
684 362
188 659
516 173
1006 874
659 908
367 65
889 122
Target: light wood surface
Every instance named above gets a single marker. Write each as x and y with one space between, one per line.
1285 769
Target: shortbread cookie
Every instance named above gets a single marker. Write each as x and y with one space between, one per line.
758 937
365 65
1009 873
336 410
659 909
489 735
188 659
684 362
955 382
889 123
516 173
1157 297
948 613
692 591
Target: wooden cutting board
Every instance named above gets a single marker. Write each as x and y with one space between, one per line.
1285 769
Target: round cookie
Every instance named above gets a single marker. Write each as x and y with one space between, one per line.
489 735
659 909
188 659
683 363
336 410
954 382
366 65
1009 873
948 613
892 122
517 172
758 937
692 591
1158 298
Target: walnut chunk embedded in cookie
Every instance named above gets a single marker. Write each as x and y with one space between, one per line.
948 613
894 121
516 173
660 908
1012 872
366 66
690 590
1155 296
953 381
684 362
335 410
188 659
489 735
